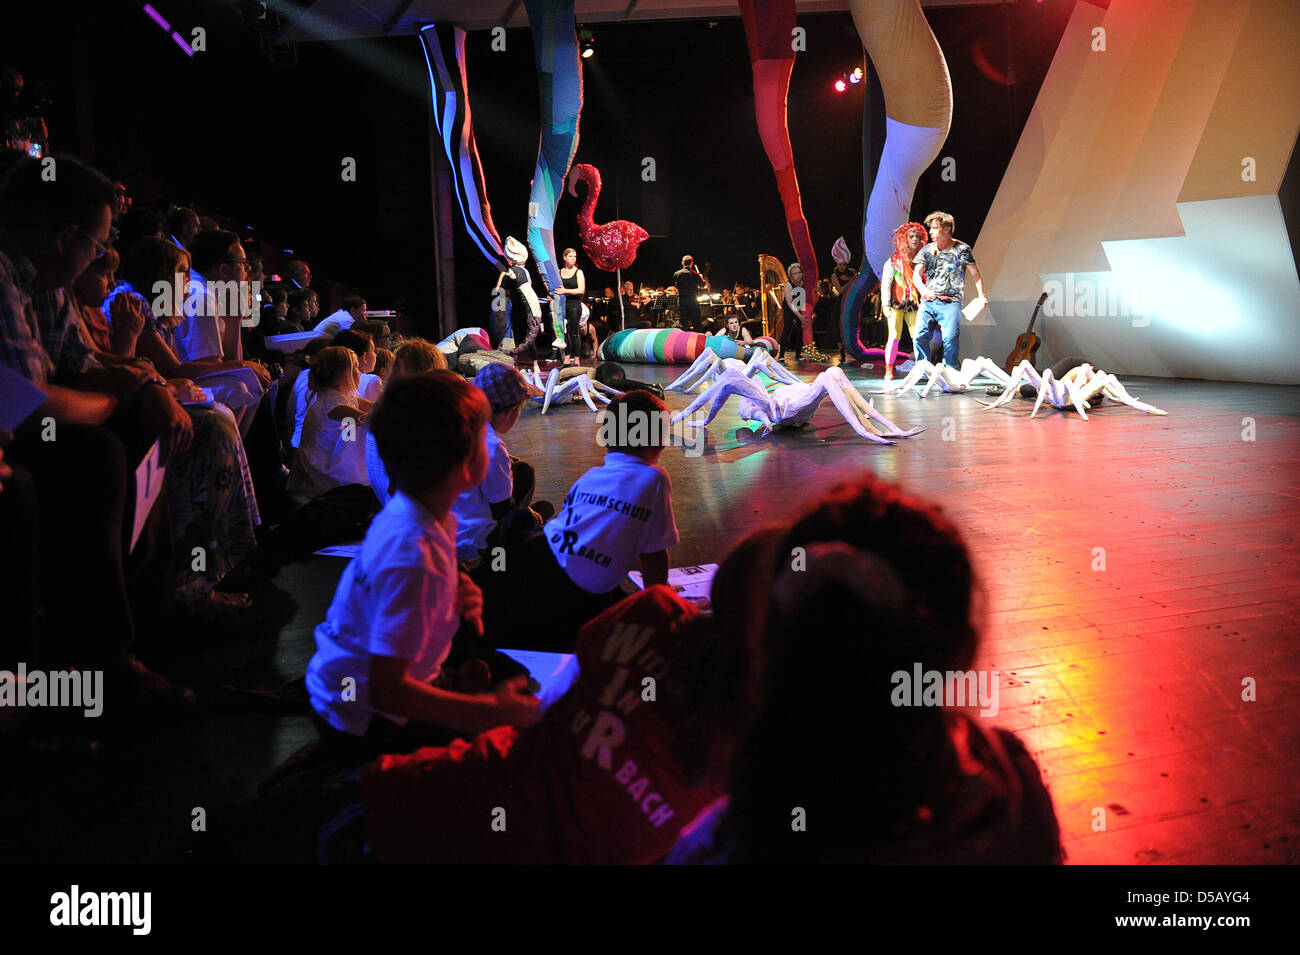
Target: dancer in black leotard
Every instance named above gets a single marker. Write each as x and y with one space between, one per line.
575 287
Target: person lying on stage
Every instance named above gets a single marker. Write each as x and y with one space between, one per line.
735 330
922 784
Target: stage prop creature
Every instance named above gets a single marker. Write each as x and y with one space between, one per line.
612 246
710 366
559 90
918 113
770 34
444 48
1077 388
674 346
948 379
569 383
792 406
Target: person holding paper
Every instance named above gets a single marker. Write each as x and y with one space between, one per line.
939 274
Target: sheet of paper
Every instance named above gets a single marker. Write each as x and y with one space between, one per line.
148 485
692 584
973 309
294 341
207 402
554 671
18 399
340 550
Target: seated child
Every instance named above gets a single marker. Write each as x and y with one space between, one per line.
332 452
609 774
383 364
509 483
616 516
414 357
925 784
370 386
374 677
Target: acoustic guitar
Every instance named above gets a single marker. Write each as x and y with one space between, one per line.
1027 345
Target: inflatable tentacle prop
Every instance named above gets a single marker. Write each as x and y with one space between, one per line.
769 26
918 113
455 126
559 87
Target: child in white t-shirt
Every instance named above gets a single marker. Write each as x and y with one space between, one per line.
614 518
374 679
332 451
483 513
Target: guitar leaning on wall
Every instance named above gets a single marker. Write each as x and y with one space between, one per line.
1027 345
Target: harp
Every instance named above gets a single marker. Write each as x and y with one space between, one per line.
771 290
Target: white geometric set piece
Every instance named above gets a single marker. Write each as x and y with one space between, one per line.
793 405
1076 387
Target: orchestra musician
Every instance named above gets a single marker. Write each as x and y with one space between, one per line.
689 281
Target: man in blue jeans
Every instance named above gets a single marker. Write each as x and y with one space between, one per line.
940 277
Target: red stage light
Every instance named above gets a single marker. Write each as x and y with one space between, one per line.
840 86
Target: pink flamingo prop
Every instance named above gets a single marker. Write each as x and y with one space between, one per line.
612 246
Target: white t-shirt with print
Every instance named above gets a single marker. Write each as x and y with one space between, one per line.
397 598
474 508
611 516
198 336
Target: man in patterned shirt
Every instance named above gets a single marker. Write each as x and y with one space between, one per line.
940 277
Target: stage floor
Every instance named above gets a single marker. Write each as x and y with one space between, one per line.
1125 683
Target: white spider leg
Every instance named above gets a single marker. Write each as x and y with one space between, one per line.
732 383
1046 384
700 369
551 381
584 387
1018 375
942 376
916 374
972 368
848 411
762 361
1077 397
1117 392
863 406
604 391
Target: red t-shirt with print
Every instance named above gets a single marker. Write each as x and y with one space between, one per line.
598 780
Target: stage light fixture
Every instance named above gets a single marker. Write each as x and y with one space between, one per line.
840 86
856 75
586 43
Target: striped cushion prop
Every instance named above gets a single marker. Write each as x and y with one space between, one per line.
671 346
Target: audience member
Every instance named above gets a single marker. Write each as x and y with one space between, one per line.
616 516
934 785
371 387
332 449
352 311
374 680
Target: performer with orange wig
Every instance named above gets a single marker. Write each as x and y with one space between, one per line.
899 298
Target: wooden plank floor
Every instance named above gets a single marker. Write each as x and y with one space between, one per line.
1125 683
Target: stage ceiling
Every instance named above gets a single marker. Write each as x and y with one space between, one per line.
354 19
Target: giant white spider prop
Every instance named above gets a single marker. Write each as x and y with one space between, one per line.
709 367
792 406
577 384
947 378
1076 387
